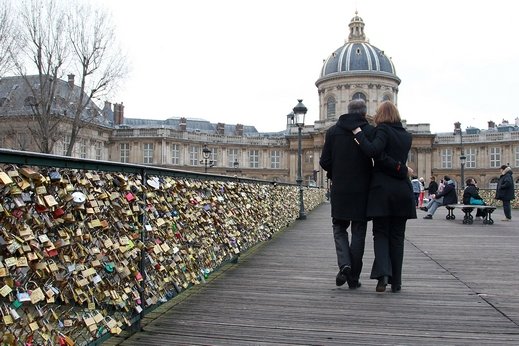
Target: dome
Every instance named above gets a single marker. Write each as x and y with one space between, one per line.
357 55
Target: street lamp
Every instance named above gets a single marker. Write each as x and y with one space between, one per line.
206 153
463 158
299 120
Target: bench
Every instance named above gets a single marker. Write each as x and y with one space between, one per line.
467 209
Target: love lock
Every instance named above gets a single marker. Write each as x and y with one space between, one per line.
78 197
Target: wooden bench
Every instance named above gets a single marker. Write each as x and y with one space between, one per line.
467 209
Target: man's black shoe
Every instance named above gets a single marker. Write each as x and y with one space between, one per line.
354 285
343 275
428 217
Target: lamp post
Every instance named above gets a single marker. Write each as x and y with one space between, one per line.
299 120
463 158
206 153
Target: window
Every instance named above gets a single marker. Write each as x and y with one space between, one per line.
495 157
147 151
275 159
30 101
308 156
386 98
66 143
193 155
254 158
359 95
470 154
411 156
175 154
99 151
446 158
330 107
232 156
124 150
82 148
516 155
214 155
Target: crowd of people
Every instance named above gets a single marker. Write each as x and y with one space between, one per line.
370 181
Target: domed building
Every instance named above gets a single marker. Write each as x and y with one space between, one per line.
356 70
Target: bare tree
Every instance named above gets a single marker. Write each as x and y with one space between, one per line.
56 37
7 37
99 63
44 49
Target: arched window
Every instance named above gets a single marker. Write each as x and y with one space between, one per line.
30 101
386 98
330 107
359 95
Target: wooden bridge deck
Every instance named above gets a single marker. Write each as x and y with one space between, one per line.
460 287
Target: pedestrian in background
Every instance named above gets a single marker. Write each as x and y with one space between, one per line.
349 169
422 192
505 191
471 197
391 201
446 196
432 189
416 189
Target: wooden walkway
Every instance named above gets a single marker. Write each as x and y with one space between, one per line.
460 287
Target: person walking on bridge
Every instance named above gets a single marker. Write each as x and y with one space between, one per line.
391 200
350 172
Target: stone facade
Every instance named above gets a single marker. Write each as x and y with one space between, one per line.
356 69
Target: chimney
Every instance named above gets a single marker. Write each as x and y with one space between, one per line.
239 130
71 80
118 113
220 128
491 125
182 125
107 111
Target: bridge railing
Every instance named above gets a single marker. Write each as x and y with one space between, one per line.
88 247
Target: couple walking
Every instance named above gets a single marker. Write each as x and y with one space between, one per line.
366 166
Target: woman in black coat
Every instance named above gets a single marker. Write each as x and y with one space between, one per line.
390 198
470 194
505 191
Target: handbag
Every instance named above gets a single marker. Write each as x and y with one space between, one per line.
475 201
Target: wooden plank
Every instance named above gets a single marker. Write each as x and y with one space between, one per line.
459 288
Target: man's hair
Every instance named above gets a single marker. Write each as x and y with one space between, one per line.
357 106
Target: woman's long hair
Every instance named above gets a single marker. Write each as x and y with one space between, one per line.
387 113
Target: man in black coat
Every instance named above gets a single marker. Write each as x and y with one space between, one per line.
505 191
432 189
350 172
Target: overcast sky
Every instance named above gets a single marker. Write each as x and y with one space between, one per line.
245 61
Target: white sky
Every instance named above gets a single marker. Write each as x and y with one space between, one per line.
244 61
